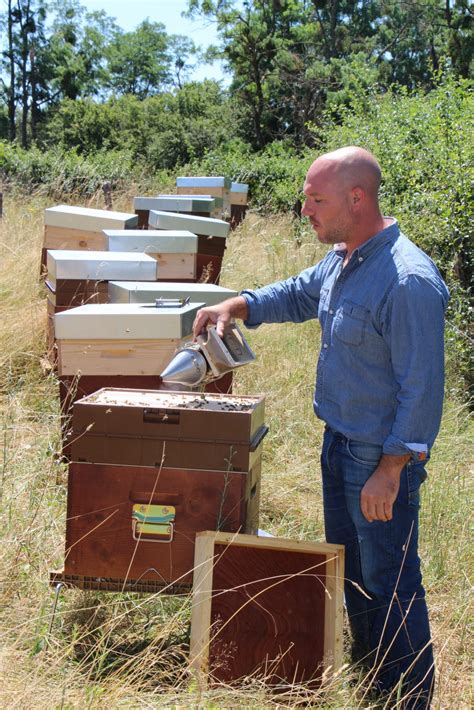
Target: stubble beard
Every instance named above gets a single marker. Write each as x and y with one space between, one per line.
334 235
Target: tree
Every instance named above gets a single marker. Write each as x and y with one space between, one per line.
180 50
138 61
74 61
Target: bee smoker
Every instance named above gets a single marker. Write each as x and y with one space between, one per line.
209 357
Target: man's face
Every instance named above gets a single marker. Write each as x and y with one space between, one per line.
327 204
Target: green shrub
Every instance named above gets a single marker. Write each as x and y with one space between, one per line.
57 173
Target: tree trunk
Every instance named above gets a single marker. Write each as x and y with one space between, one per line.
34 105
11 91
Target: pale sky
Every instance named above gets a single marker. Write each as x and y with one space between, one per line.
129 13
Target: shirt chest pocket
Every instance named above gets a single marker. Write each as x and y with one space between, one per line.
350 323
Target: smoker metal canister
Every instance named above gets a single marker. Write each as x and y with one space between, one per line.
188 367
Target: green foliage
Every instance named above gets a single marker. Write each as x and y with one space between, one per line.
289 57
57 173
160 132
138 60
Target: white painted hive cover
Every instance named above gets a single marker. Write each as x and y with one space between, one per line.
87 219
219 201
125 321
100 265
175 203
239 187
146 292
152 241
198 225
204 181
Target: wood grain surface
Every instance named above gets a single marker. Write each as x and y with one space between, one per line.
267 615
99 539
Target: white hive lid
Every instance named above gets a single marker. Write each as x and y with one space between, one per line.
218 201
152 241
239 187
204 181
146 292
173 203
125 321
198 225
86 219
100 265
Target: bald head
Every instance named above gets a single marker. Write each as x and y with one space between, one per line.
341 191
351 167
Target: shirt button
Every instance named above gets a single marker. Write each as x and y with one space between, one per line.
325 345
361 258
331 312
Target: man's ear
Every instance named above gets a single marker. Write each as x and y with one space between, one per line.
357 195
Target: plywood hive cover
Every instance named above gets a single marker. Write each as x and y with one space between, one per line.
99 265
152 241
90 220
146 292
197 225
267 608
125 321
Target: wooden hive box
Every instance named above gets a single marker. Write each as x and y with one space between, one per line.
239 193
212 235
135 292
70 227
268 608
121 338
174 250
75 387
75 278
238 203
112 533
194 205
216 186
190 430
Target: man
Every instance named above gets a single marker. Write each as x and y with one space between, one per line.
379 388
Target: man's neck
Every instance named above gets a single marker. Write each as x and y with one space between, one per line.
366 234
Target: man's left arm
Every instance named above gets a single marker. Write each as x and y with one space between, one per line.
413 328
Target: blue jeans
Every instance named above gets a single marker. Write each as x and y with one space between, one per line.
384 595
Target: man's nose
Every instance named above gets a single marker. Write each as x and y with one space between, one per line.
307 210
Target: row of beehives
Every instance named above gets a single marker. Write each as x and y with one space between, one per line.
152 470
113 329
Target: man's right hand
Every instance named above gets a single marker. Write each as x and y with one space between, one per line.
220 315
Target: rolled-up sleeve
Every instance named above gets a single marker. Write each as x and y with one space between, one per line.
413 329
294 300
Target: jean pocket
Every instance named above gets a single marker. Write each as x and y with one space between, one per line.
363 453
416 474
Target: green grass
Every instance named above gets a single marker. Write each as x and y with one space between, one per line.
130 651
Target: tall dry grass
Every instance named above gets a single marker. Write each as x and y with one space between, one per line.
123 650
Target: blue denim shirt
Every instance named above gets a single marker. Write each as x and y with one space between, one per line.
380 372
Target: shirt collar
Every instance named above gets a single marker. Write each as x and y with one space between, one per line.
386 235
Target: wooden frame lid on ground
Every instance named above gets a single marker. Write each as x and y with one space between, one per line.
267 608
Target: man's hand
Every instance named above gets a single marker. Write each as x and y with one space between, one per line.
381 489
221 315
